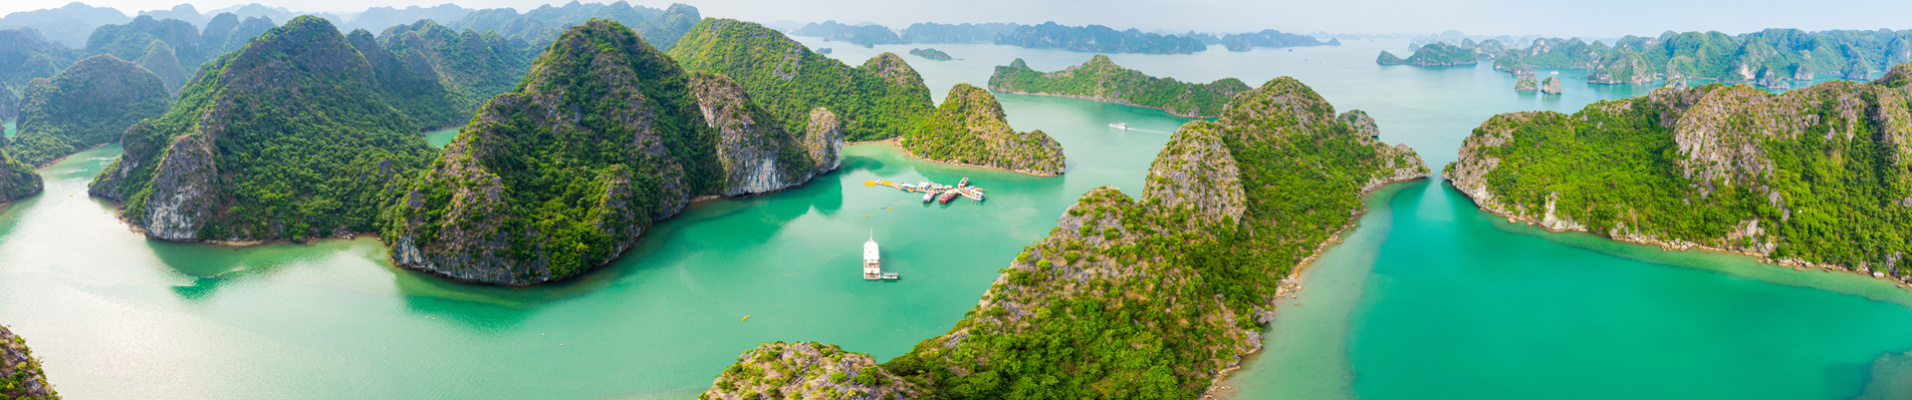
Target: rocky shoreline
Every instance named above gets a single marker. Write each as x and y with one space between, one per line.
1111 101
899 147
1675 244
1724 135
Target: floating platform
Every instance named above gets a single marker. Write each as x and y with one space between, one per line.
935 191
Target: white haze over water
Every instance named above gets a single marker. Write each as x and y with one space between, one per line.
1609 18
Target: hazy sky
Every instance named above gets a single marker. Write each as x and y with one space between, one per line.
1604 18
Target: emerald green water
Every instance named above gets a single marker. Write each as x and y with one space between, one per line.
8 128
1428 299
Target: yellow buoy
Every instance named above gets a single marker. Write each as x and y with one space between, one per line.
746 317
866 215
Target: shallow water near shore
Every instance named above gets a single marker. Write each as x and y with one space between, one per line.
1429 298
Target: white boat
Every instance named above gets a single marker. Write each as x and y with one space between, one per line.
1120 125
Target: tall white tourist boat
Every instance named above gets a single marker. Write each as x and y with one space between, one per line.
872 261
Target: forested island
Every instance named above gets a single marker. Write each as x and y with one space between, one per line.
1099 39
1150 297
1272 38
969 128
515 200
932 54
1431 55
286 139
879 100
861 35
1769 58
1101 79
1808 177
87 105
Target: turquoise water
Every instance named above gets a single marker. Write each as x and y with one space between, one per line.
440 138
117 316
1428 299
8 128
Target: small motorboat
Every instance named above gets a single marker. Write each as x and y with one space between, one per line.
929 196
1120 125
947 196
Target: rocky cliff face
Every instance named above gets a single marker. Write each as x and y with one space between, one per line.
17 179
20 373
649 151
807 370
758 156
970 128
9 106
1526 83
1737 153
823 139
880 99
1550 86
226 164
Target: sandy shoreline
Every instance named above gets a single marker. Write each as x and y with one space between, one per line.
1293 283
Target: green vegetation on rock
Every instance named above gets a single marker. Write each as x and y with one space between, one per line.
9 106
1768 58
89 104
162 45
17 179
439 76
1101 79
602 139
1272 38
21 377
879 100
932 54
807 370
970 128
861 35
286 139
1432 55
1152 297
1815 175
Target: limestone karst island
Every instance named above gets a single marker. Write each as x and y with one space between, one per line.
982 200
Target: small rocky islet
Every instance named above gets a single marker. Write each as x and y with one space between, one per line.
971 129
658 135
1432 55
